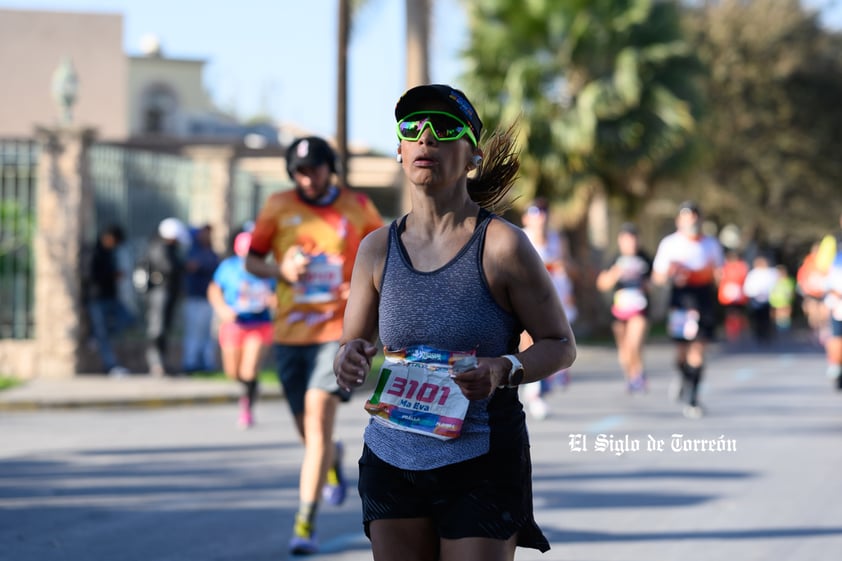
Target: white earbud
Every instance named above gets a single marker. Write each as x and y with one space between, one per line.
477 160
399 158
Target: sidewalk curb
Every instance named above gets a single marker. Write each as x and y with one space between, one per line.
19 405
141 392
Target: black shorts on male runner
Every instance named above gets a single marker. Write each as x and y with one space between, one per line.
703 300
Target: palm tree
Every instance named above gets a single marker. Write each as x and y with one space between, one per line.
605 89
342 91
418 13
604 92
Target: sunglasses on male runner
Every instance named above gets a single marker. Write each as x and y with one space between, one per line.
444 126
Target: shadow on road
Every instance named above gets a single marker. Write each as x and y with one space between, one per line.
563 536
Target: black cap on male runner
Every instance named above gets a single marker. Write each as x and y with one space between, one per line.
628 228
309 151
692 206
415 98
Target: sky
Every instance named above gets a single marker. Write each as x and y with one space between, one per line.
279 56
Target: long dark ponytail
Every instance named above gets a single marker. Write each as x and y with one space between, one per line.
497 173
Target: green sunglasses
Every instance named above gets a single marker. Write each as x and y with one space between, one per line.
444 126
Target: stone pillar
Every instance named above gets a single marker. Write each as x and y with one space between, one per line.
219 161
64 211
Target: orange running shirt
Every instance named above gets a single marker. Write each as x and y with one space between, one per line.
731 284
810 279
311 310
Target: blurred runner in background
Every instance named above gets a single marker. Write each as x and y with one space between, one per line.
313 232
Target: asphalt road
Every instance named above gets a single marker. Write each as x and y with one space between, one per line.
183 483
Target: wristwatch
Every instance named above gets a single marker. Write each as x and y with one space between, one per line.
515 377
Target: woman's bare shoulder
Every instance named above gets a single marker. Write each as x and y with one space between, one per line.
504 238
376 240
373 248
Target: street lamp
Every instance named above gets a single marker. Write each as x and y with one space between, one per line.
65 88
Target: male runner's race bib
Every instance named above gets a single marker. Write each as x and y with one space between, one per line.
683 324
415 392
321 281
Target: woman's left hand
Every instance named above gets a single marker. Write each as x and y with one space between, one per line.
353 362
480 382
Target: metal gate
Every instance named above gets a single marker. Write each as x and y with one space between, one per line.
131 187
18 181
138 188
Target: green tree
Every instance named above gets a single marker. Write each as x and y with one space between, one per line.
17 229
772 134
604 89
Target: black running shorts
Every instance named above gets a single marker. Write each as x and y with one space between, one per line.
488 497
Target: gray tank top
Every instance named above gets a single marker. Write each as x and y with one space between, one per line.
450 308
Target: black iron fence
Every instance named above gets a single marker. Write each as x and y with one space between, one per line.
18 180
132 187
137 188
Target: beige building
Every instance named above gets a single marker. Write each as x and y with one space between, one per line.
32 46
119 96
167 97
186 157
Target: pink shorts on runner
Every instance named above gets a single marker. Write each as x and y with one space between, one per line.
236 334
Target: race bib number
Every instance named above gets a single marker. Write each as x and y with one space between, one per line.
415 392
683 324
628 302
252 297
320 282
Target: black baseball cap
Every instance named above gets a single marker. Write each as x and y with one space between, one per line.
309 151
692 206
414 99
628 228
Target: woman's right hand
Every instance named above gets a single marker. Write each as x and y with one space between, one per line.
353 362
293 264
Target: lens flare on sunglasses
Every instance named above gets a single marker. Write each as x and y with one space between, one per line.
444 126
